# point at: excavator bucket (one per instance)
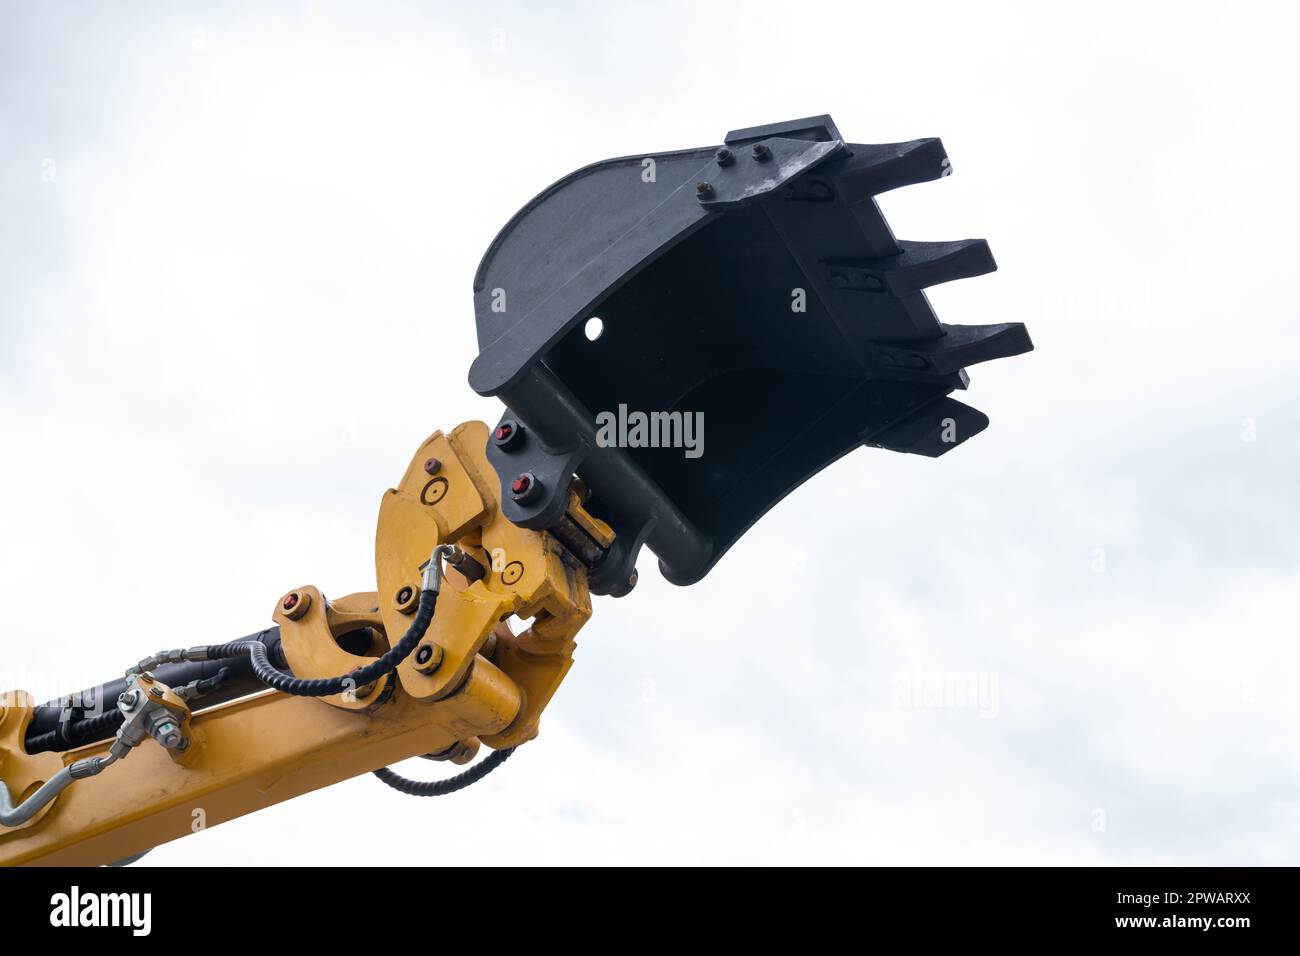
(757, 320)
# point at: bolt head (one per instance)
(405, 599)
(295, 605)
(127, 698)
(761, 153)
(156, 691)
(507, 434)
(724, 156)
(428, 657)
(525, 488)
(168, 733)
(703, 189)
(431, 466)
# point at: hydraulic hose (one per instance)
(287, 683)
(440, 788)
(61, 724)
(15, 816)
(75, 733)
(273, 677)
(71, 732)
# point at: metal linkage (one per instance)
(151, 709)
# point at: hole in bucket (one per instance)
(594, 328)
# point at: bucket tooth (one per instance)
(872, 170)
(918, 266)
(933, 430)
(958, 347)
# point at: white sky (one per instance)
(264, 221)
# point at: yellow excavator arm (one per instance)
(753, 288)
(464, 679)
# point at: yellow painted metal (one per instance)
(530, 575)
(308, 639)
(599, 531)
(162, 694)
(488, 684)
(21, 772)
(257, 752)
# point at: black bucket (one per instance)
(757, 321)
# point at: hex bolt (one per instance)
(725, 157)
(406, 600)
(703, 190)
(167, 734)
(295, 604)
(156, 691)
(165, 729)
(525, 488)
(761, 153)
(128, 698)
(507, 433)
(428, 657)
(431, 466)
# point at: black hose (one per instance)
(56, 719)
(207, 685)
(440, 788)
(287, 683)
(76, 733)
